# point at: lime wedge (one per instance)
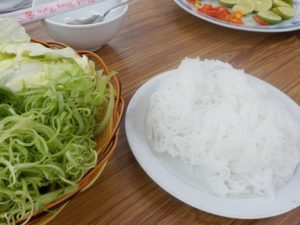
(262, 5)
(228, 3)
(269, 17)
(245, 6)
(276, 11)
(291, 2)
(285, 12)
(278, 3)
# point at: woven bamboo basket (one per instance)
(106, 144)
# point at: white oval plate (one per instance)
(250, 25)
(176, 180)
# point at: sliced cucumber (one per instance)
(269, 17)
(228, 3)
(285, 12)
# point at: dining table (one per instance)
(156, 36)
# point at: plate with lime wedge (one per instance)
(250, 15)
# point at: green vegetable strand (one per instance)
(46, 134)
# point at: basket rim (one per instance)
(110, 144)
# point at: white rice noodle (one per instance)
(215, 118)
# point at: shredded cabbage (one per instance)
(12, 32)
(52, 102)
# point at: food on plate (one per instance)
(244, 6)
(264, 12)
(285, 12)
(262, 5)
(222, 13)
(269, 17)
(226, 127)
(278, 3)
(52, 102)
(291, 2)
(228, 3)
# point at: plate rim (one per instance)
(235, 27)
(163, 184)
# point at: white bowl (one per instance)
(85, 37)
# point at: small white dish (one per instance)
(89, 36)
(174, 178)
